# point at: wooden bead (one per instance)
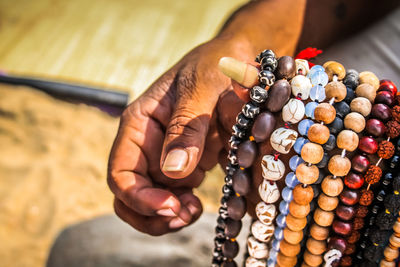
(396, 226)
(303, 195)
(319, 232)
(286, 261)
(327, 203)
(311, 259)
(335, 90)
(286, 68)
(391, 253)
(307, 174)
(325, 112)
(295, 224)
(299, 211)
(361, 105)
(312, 153)
(348, 140)
(394, 241)
(288, 249)
(305, 265)
(332, 186)
(339, 166)
(292, 237)
(385, 263)
(334, 68)
(354, 121)
(318, 133)
(366, 90)
(370, 78)
(323, 218)
(316, 247)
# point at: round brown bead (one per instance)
(339, 166)
(385, 149)
(348, 140)
(361, 105)
(299, 211)
(325, 112)
(288, 249)
(323, 218)
(337, 90)
(334, 68)
(318, 133)
(366, 198)
(292, 237)
(332, 186)
(369, 78)
(316, 247)
(303, 195)
(312, 153)
(354, 121)
(366, 90)
(327, 203)
(319, 232)
(390, 253)
(286, 261)
(373, 174)
(307, 174)
(311, 259)
(286, 68)
(295, 224)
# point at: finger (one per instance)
(193, 204)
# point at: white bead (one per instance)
(261, 231)
(252, 262)
(272, 169)
(301, 85)
(269, 191)
(331, 256)
(302, 67)
(266, 213)
(282, 139)
(293, 111)
(256, 248)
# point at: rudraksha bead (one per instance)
(373, 174)
(366, 198)
(385, 149)
(393, 129)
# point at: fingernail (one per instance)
(176, 160)
(166, 212)
(192, 208)
(243, 73)
(177, 223)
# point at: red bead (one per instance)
(354, 236)
(368, 145)
(361, 211)
(345, 212)
(353, 180)
(351, 248)
(375, 127)
(341, 228)
(388, 85)
(349, 197)
(381, 111)
(337, 243)
(385, 97)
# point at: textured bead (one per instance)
(312, 153)
(293, 111)
(292, 237)
(319, 232)
(241, 182)
(246, 153)
(266, 213)
(299, 211)
(263, 126)
(309, 109)
(381, 112)
(385, 97)
(354, 121)
(332, 186)
(261, 231)
(282, 139)
(257, 249)
(301, 86)
(339, 166)
(289, 250)
(349, 197)
(335, 90)
(342, 109)
(303, 195)
(318, 133)
(317, 93)
(348, 140)
(304, 126)
(327, 203)
(367, 91)
(370, 78)
(272, 169)
(298, 145)
(323, 218)
(236, 207)
(291, 180)
(286, 68)
(330, 144)
(325, 112)
(341, 228)
(294, 162)
(295, 224)
(395, 113)
(316, 247)
(361, 211)
(360, 163)
(318, 78)
(385, 149)
(373, 174)
(336, 126)
(253, 262)
(268, 191)
(393, 129)
(334, 68)
(345, 212)
(361, 105)
(353, 180)
(368, 145)
(302, 67)
(279, 94)
(307, 174)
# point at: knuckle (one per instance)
(185, 123)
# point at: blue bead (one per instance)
(310, 107)
(287, 194)
(304, 125)
(318, 77)
(281, 221)
(273, 254)
(294, 162)
(317, 93)
(271, 263)
(316, 68)
(284, 207)
(276, 244)
(298, 145)
(278, 233)
(291, 180)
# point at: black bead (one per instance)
(258, 94)
(250, 110)
(394, 163)
(324, 161)
(392, 203)
(336, 126)
(234, 142)
(398, 145)
(381, 196)
(379, 237)
(321, 176)
(265, 53)
(342, 109)
(396, 183)
(351, 79)
(316, 190)
(385, 220)
(242, 121)
(238, 132)
(330, 144)
(350, 95)
(373, 253)
(266, 77)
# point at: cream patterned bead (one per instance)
(252, 262)
(302, 67)
(293, 111)
(331, 256)
(282, 139)
(257, 249)
(272, 169)
(266, 213)
(261, 231)
(269, 191)
(301, 85)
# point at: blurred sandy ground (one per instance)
(54, 154)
